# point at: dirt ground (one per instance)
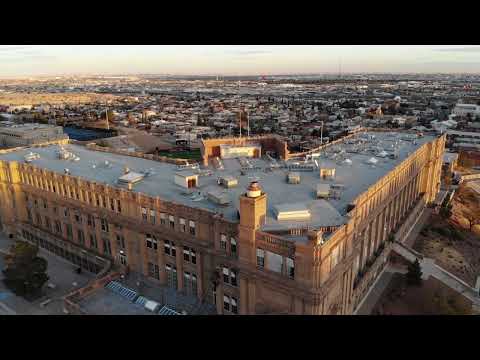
(453, 248)
(51, 98)
(431, 298)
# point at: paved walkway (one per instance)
(374, 294)
(429, 268)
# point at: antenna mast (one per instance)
(106, 117)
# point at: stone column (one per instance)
(373, 236)
(200, 289)
(179, 262)
(161, 262)
(404, 201)
(220, 300)
(143, 255)
(243, 308)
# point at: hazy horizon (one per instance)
(235, 60)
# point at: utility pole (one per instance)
(240, 123)
(106, 117)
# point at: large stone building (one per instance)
(30, 134)
(257, 235)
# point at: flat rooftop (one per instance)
(22, 128)
(354, 177)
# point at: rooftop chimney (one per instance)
(254, 190)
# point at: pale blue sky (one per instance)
(24, 60)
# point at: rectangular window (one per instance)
(186, 253)
(29, 215)
(144, 214)
(182, 225)
(120, 241)
(194, 284)
(223, 242)
(58, 227)
(171, 276)
(226, 303)
(81, 237)
(45, 205)
(233, 302)
(163, 218)
(98, 200)
(66, 212)
(47, 223)
(112, 204)
(90, 221)
(170, 248)
(226, 275)
(104, 223)
(233, 246)
(167, 247)
(151, 270)
(119, 206)
(187, 284)
(78, 218)
(93, 241)
(68, 229)
(107, 250)
(151, 242)
(152, 216)
(192, 227)
(290, 268)
(171, 219)
(55, 210)
(233, 278)
(193, 255)
(261, 258)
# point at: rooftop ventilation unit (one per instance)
(130, 178)
(188, 166)
(227, 181)
(372, 161)
(297, 212)
(31, 156)
(219, 197)
(296, 166)
(293, 178)
(323, 191)
(327, 173)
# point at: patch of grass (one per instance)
(191, 155)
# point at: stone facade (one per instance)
(200, 253)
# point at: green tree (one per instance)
(446, 211)
(25, 272)
(414, 274)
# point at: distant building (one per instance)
(30, 134)
(465, 109)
